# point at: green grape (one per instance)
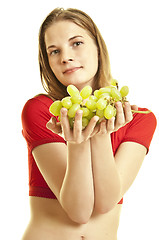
(85, 122)
(116, 95)
(109, 112)
(86, 111)
(55, 108)
(76, 98)
(105, 96)
(105, 90)
(73, 109)
(90, 104)
(66, 102)
(96, 93)
(100, 113)
(86, 92)
(114, 112)
(114, 82)
(94, 98)
(72, 90)
(124, 91)
(71, 121)
(91, 114)
(101, 104)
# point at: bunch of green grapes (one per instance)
(100, 103)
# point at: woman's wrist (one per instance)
(100, 137)
(101, 146)
(78, 146)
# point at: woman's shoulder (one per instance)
(37, 104)
(141, 128)
(40, 99)
(144, 118)
(36, 109)
(35, 115)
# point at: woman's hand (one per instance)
(75, 135)
(123, 116)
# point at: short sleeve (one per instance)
(35, 115)
(141, 129)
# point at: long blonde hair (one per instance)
(52, 86)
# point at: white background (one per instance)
(130, 30)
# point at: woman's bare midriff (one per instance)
(50, 222)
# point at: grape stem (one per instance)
(144, 112)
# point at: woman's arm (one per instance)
(113, 176)
(107, 183)
(77, 191)
(67, 169)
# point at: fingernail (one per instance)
(48, 124)
(96, 118)
(126, 103)
(120, 103)
(79, 111)
(64, 111)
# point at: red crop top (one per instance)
(36, 114)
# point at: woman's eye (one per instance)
(77, 43)
(54, 52)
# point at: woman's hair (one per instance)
(52, 86)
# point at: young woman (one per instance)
(77, 178)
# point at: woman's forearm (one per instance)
(107, 185)
(77, 192)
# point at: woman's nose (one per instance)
(66, 56)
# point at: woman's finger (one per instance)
(111, 125)
(134, 107)
(65, 125)
(54, 126)
(95, 131)
(77, 128)
(103, 128)
(88, 131)
(120, 118)
(128, 113)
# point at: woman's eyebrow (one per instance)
(75, 37)
(51, 46)
(70, 39)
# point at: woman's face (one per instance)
(72, 54)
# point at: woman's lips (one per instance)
(71, 70)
